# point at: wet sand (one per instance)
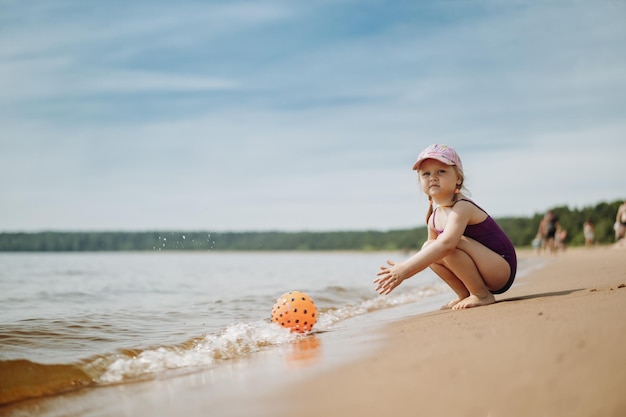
(553, 345)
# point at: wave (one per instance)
(24, 379)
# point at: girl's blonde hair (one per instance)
(457, 191)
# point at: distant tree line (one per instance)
(521, 230)
(168, 241)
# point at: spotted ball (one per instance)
(296, 311)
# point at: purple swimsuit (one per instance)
(489, 234)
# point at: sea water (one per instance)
(72, 321)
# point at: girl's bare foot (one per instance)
(451, 304)
(474, 301)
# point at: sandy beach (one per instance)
(553, 345)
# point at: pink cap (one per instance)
(442, 153)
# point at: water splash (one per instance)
(236, 341)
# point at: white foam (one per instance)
(237, 340)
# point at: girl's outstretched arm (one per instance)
(392, 274)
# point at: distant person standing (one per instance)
(620, 222)
(542, 234)
(589, 231)
(549, 228)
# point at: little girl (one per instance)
(465, 246)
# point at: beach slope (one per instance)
(553, 345)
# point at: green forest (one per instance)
(521, 230)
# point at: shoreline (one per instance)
(550, 346)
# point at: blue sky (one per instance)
(288, 115)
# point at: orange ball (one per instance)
(295, 310)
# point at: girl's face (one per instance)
(438, 180)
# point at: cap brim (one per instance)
(442, 160)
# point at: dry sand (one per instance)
(553, 345)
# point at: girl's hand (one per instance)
(388, 278)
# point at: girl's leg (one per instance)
(449, 278)
(456, 284)
(464, 267)
(477, 268)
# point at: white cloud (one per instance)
(54, 79)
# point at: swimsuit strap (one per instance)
(461, 199)
(470, 201)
